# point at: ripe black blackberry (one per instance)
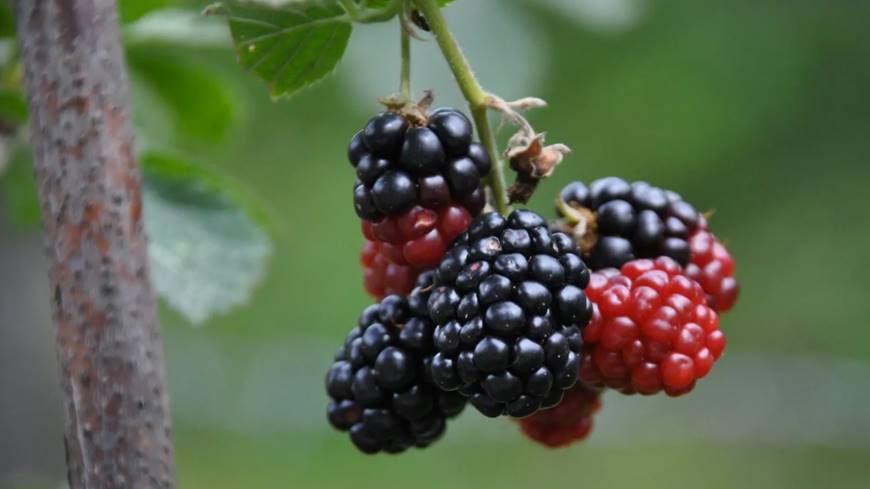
(379, 386)
(509, 308)
(432, 163)
(622, 221)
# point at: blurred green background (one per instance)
(759, 109)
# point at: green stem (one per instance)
(473, 93)
(367, 16)
(405, 80)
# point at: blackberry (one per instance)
(651, 331)
(509, 308)
(379, 385)
(615, 222)
(432, 164)
(569, 422)
(625, 221)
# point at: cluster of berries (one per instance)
(615, 222)
(502, 312)
(418, 186)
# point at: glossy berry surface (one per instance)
(631, 221)
(379, 387)
(509, 308)
(569, 422)
(383, 277)
(419, 237)
(712, 266)
(638, 220)
(399, 165)
(651, 331)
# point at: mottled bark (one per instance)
(117, 432)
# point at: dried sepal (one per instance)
(578, 222)
(416, 113)
(533, 161)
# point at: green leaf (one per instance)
(13, 107)
(18, 186)
(153, 119)
(207, 251)
(289, 46)
(201, 106)
(7, 20)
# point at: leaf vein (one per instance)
(299, 47)
(294, 28)
(325, 49)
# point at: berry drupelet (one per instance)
(379, 386)
(652, 330)
(569, 422)
(713, 267)
(419, 237)
(615, 222)
(509, 308)
(431, 164)
(381, 275)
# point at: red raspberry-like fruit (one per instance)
(382, 277)
(713, 267)
(651, 330)
(420, 237)
(570, 421)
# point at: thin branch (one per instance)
(472, 91)
(117, 431)
(405, 77)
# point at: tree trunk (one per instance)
(117, 430)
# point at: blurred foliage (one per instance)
(757, 109)
(7, 20)
(13, 107)
(206, 251)
(184, 87)
(132, 10)
(18, 190)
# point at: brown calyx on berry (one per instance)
(416, 113)
(579, 222)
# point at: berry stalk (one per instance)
(405, 75)
(474, 94)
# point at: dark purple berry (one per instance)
(609, 250)
(384, 133)
(631, 221)
(516, 289)
(462, 176)
(422, 153)
(453, 129)
(384, 394)
(356, 148)
(616, 217)
(394, 192)
(369, 168)
(364, 204)
(480, 157)
(433, 191)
